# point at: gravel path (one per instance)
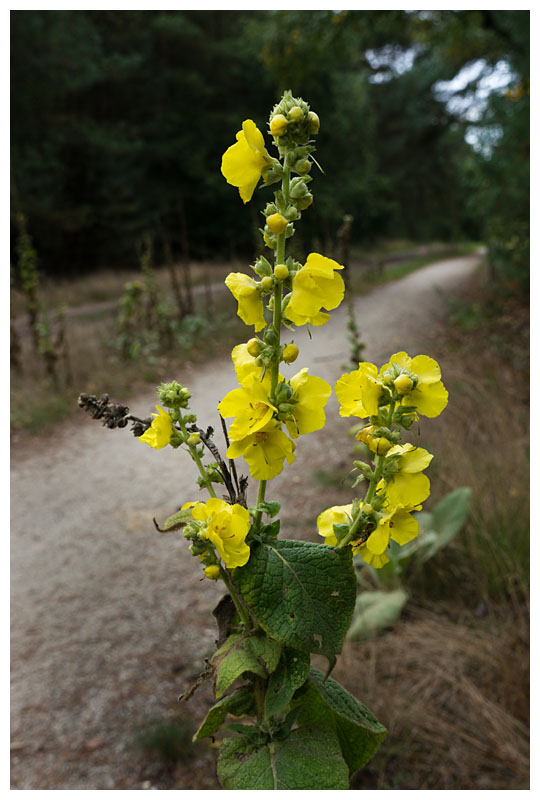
(110, 620)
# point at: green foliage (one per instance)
(327, 702)
(116, 117)
(309, 758)
(302, 594)
(239, 703)
(290, 674)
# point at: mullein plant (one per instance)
(296, 727)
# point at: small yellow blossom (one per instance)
(336, 515)
(226, 528)
(429, 395)
(248, 294)
(264, 451)
(244, 162)
(160, 432)
(315, 286)
(409, 486)
(311, 395)
(250, 406)
(359, 391)
(398, 524)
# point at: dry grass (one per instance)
(453, 697)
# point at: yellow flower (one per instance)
(315, 286)
(264, 451)
(160, 432)
(336, 515)
(409, 486)
(376, 561)
(429, 395)
(359, 391)
(226, 528)
(311, 394)
(248, 294)
(398, 524)
(250, 406)
(243, 163)
(277, 223)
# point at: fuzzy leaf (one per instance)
(310, 758)
(376, 610)
(239, 703)
(301, 593)
(241, 653)
(358, 731)
(231, 661)
(290, 674)
(447, 519)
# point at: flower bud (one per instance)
(403, 384)
(285, 408)
(295, 114)
(290, 353)
(298, 189)
(194, 439)
(304, 202)
(367, 508)
(267, 283)
(212, 572)
(278, 125)
(254, 347)
(281, 272)
(379, 446)
(313, 122)
(362, 435)
(271, 337)
(303, 166)
(277, 223)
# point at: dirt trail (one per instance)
(110, 620)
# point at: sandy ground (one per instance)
(110, 620)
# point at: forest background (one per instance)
(119, 120)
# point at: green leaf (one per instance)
(239, 703)
(447, 519)
(291, 673)
(301, 593)
(233, 659)
(376, 610)
(359, 732)
(242, 653)
(310, 758)
(177, 521)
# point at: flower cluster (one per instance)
(392, 398)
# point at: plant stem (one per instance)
(235, 598)
(196, 458)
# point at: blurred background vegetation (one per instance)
(119, 120)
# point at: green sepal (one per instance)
(340, 530)
(359, 733)
(291, 673)
(239, 703)
(177, 521)
(302, 594)
(310, 758)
